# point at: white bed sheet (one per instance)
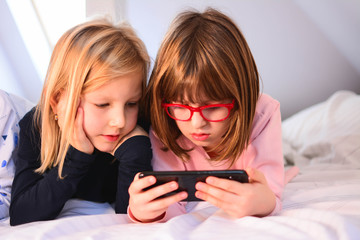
(322, 202)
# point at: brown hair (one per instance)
(113, 50)
(204, 53)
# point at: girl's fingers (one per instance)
(230, 205)
(232, 186)
(79, 119)
(139, 184)
(225, 198)
(76, 137)
(146, 204)
(164, 203)
(211, 199)
(79, 139)
(148, 211)
(158, 191)
(218, 185)
(220, 192)
(216, 192)
(152, 194)
(239, 199)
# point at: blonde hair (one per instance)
(204, 55)
(112, 50)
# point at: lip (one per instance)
(111, 138)
(200, 136)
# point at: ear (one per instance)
(54, 100)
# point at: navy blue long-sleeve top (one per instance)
(99, 177)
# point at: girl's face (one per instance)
(110, 112)
(200, 131)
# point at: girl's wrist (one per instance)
(158, 218)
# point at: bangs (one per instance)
(196, 81)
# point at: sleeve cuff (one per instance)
(141, 142)
(155, 220)
(277, 208)
(73, 153)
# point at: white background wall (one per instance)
(305, 49)
(18, 74)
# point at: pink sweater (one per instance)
(264, 153)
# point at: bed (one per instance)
(321, 202)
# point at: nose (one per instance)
(197, 121)
(117, 118)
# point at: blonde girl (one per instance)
(82, 140)
(207, 113)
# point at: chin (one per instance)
(103, 148)
(201, 144)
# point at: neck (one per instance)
(212, 154)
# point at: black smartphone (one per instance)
(188, 179)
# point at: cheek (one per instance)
(182, 126)
(91, 121)
(131, 118)
(223, 128)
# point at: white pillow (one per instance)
(12, 109)
(326, 132)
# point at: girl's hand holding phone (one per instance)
(239, 199)
(145, 205)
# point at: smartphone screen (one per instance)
(188, 179)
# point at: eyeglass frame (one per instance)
(229, 106)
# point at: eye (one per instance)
(102, 105)
(132, 104)
(212, 108)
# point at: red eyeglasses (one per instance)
(211, 113)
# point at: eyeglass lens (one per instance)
(210, 113)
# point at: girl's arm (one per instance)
(144, 205)
(264, 162)
(135, 151)
(37, 196)
(134, 155)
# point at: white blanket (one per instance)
(326, 132)
(322, 202)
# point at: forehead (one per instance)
(126, 86)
